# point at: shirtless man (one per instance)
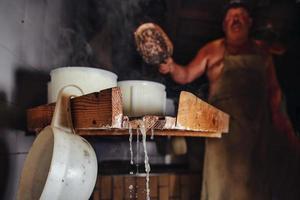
(242, 82)
(210, 58)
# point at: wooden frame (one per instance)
(101, 114)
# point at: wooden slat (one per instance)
(163, 184)
(174, 186)
(98, 183)
(185, 187)
(195, 186)
(118, 188)
(153, 187)
(106, 188)
(129, 187)
(96, 195)
(124, 132)
(39, 117)
(141, 188)
(151, 122)
(162, 187)
(195, 114)
(98, 109)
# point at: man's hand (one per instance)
(167, 66)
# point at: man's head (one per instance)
(237, 21)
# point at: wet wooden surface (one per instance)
(101, 114)
(162, 187)
(195, 114)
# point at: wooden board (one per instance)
(195, 114)
(99, 109)
(94, 110)
(150, 122)
(164, 186)
(101, 114)
(165, 132)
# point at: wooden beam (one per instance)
(39, 117)
(164, 132)
(195, 114)
(98, 109)
(151, 122)
(100, 114)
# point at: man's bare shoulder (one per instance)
(213, 48)
(209, 54)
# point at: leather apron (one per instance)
(234, 166)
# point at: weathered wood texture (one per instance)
(162, 187)
(101, 114)
(195, 114)
(99, 109)
(165, 132)
(94, 110)
(150, 122)
(39, 117)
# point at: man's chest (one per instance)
(215, 67)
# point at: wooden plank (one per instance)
(150, 122)
(163, 192)
(141, 188)
(96, 195)
(185, 184)
(195, 185)
(100, 114)
(153, 184)
(195, 114)
(118, 187)
(98, 183)
(39, 117)
(124, 132)
(163, 183)
(174, 186)
(130, 187)
(106, 187)
(162, 186)
(164, 127)
(98, 109)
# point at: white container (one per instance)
(87, 78)
(60, 164)
(143, 98)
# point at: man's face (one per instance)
(237, 23)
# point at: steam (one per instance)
(122, 18)
(99, 33)
(75, 50)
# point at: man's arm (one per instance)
(186, 74)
